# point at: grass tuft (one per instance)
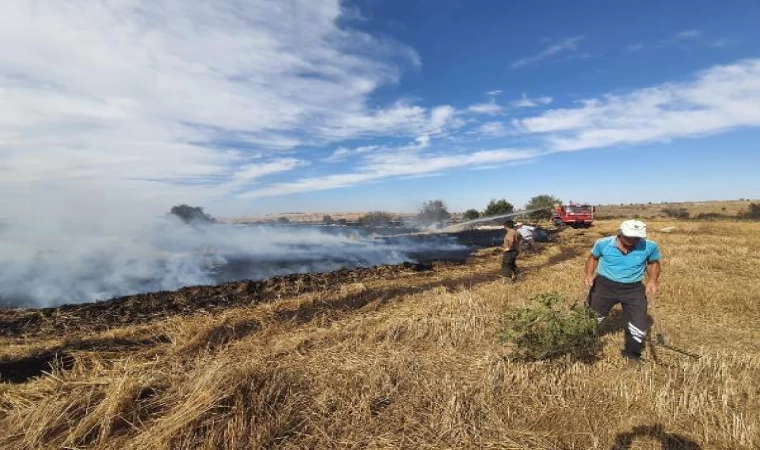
(547, 329)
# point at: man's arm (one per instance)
(653, 284)
(591, 263)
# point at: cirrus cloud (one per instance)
(718, 99)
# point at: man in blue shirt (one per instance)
(620, 263)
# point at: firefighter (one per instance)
(620, 263)
(511, 251)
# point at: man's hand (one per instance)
(591, 263)
(653, 283)
(652, 287)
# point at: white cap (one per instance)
(633, 228)
(519, 224)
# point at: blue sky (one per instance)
(253, 107)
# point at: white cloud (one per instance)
(527, 102)
(688, 34)
(634, 47)
(422, 141)
(491, 129)
(343, 153)
(339, 155)
(367, 151)
(112, 92)
(485, 108)
(551, 52)
(720, 43)
(249, 173)
(149, 103)
(395, 164)
(399, 119)
(721, 98)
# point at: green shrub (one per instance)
(544, 204)
(498, 207)
(547, 329)
(471, 214)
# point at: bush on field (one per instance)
(376, 219)
(547, 329)
(752, 212)
(433, 212)
(676, 213)
(471, 214)
(190, 214)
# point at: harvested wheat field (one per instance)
(397, 358)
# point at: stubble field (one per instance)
(395, 358)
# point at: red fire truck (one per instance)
(574, 215)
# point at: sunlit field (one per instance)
(397, 358)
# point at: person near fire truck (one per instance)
(511, 251)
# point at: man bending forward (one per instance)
(620, 263)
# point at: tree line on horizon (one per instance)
(435, 213)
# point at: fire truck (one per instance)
(575, 215)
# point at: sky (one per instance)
(250, 107)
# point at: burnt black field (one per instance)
(169, 257)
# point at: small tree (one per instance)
(498, 207)
(752, 212)
(188, 214)
(327, 219)
(433, 212)
(547, 329)
(376, 219)
(471, 214)
(544, 204)
(283, 220)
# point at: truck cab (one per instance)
(576, 215)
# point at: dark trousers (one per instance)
(605, 294)
(509, 264)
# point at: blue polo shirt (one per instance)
(617, 266)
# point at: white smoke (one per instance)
(44, 264)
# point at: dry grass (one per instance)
(652, 210)
(415, 362)
(314, 217)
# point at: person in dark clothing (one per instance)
(620, 263)
(511, 251)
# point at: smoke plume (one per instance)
(45, 264)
